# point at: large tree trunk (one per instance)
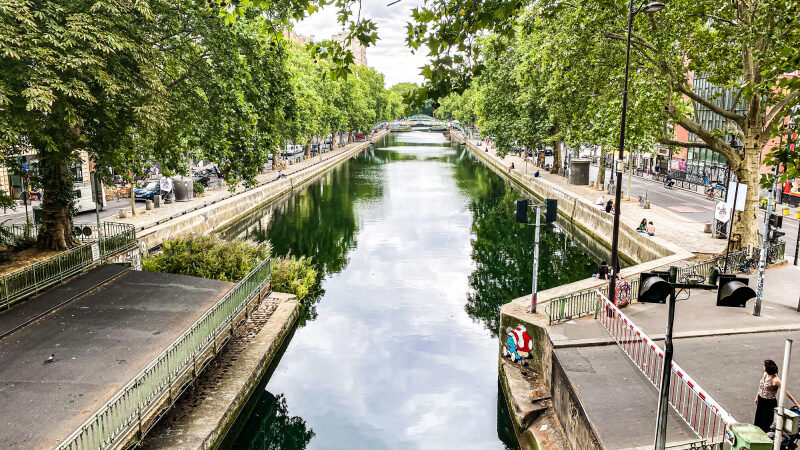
(307, 149)
(57, 182)
(746, 225)
(557, 150)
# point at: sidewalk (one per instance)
(681, 231)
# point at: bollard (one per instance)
(123, 213)
(148, 205)
(647, 204)
(707, 228)
(157, 201)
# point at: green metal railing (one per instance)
(30, 280)
(123, 413)
(584, 302)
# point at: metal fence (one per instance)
(30, 280)
(123, 413)
(695, 406)
(584, 303)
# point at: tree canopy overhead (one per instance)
(573, 53)
(155, 81)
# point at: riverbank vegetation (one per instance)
(701, 74)
(207, 256)
(210, 256)
(155, 81)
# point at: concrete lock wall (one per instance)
(579, 432)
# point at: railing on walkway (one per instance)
(696, 445)
(30, 280)
(120, 415)
(695, 406)
(584, 303)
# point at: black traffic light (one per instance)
(776, 221)
(777, 234)
(522, 210)
(551, 213)
(733, 291)
(653, 287)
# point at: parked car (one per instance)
(361, 137)
(147, 190)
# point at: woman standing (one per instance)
(765, 400)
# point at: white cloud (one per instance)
(390, 56)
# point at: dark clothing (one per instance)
(765, 412)
(602, 272)
(609, 206)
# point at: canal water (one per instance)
(397, 349)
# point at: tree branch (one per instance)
(738, 118)
(773, 113)
(684, 144)
(711, 142)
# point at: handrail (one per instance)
(704, 415)
(32, 279)
(125, 410)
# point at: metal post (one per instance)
(618, 195)
(26, 196)
(762, 260)
(666, 375)
(730, 233)
(797, 245)
(630, 173)
(97, 193)
(787, 354)
(534, 283)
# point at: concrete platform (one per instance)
(618, 399)
(32, 308)
(100, 341)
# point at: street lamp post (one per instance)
(648, 8)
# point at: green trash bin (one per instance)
(746, 436)
(37, 215)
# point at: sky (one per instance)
(390, 56)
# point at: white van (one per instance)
(84, 197)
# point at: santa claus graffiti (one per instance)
(518, 344)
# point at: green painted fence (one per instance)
(32, 279)
(122, 414)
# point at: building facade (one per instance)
(358, 50)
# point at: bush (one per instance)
(11, 243)
(207, 256)
(198, 188)
(293, 275)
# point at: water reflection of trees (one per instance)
(502, 250)
(270, 427)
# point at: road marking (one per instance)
(685, 209)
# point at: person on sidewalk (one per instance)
(511, 168)
(642, 226)
(609, 206)
(766, 400)
(602, 270)
(651, 229)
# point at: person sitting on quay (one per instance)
(511, 168)
(609, 206)
(642, 226)
(600, 201)
(602, 271)
(536, 174)
(651, 229)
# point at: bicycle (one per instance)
(748, 265)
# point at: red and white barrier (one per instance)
(697, 408)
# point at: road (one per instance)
(88, 217)
(691, 205)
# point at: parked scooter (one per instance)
(788, 441)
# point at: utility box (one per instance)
(790, 420)
(740, 436)
(579, 171)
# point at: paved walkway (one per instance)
(100, 342)
(721, 348)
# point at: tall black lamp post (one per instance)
(648, 8)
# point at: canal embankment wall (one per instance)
(231, 209)
(204, 424)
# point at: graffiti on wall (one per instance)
(518, 344)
